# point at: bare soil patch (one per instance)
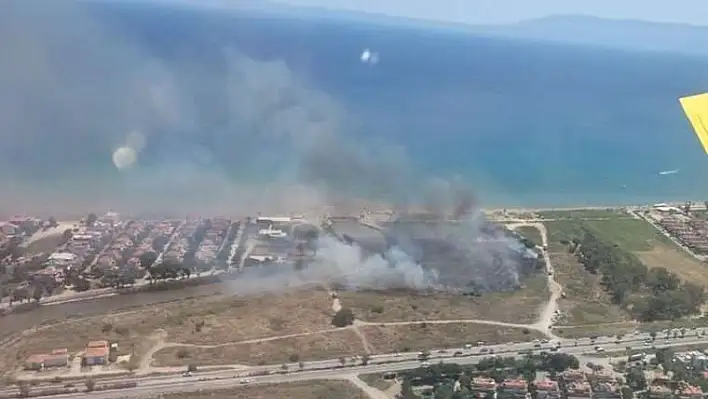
(321, 346)
(211, 320)
(414, 337)
(586, 301)
(686, 267)
(377, 381)
(521, 306)
(319, 389)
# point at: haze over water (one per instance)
(227, 103)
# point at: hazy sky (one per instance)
(500, 11)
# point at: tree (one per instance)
(67, 234)
(652, 334)
(147, 259)
(191, 368)
(284, 367)
(407, 390)
(636, 379)
(664, 356)
(159, 243)
(365, 358)
(301, 365)
(342, 360)
(81, 284)
(91, 219)
(37, 294)
(344, 317)
(294, 358)
(90, 385)
(444, 390)
(24, 389)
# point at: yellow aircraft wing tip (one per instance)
(696, 109)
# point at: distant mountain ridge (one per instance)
(572, 29)
(629, 34)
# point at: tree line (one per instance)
(648, 294)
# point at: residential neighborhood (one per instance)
(108, 251)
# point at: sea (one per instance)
(267, 98)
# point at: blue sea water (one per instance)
(524, 123)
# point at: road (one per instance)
(333, 369)
(170, 240)
(548, 312)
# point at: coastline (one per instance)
(377, 207)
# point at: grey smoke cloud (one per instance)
(73, 88)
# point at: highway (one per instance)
(333, 369)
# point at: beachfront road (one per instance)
(333, 369)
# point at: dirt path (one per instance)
(158, 339)
(372, 392)
(362, 336)
(549, 309)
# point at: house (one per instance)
(96, 353)
(660, 392)
(514, 388)
(573, 375)
(686, 391)
(604, 376)
(49, 275)
(547, 389)
(606, 390)
(8, 229)
(273, 219)
(578, 389)
(61, 259)
(484, 385)
(34, 362)
(57, 358)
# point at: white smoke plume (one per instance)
(75, 83)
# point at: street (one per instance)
(391, 362)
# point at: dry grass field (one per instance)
(414, 337)
(322, 389)
(521, 306)
(676, 261)
(211, 320)
(322, 346)
(586, 302)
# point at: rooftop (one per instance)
(691, 390)
(90, 352)
(97, 344)
(547, 385)
(515, 384)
